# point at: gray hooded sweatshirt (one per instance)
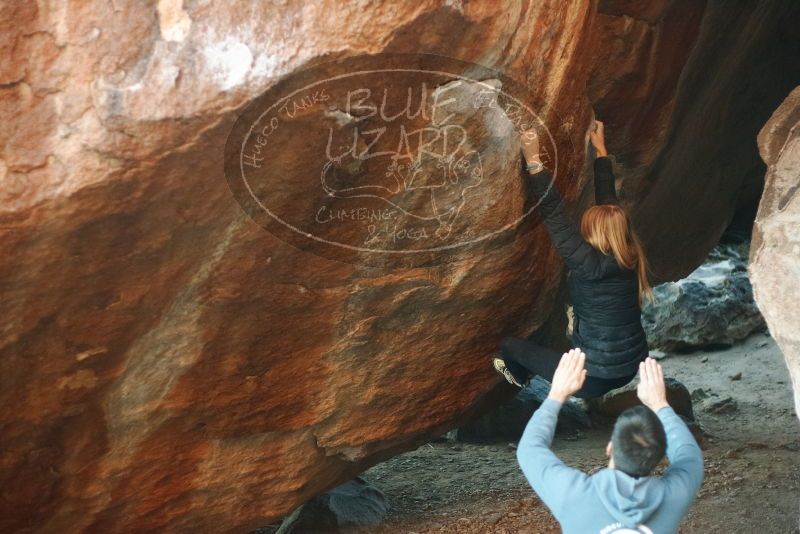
(611, 501)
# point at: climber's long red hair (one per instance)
(608, 229)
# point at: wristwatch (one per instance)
(534, 167)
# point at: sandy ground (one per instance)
(752, 463)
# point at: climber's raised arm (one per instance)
(604, 192)
(577, 253)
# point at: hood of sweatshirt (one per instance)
(629, 500)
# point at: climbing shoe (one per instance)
(500, 367)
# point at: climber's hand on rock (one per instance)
(598, 138)
(569, 375)
(651, 389)
(529, 139)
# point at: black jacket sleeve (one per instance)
(604, 191)
(579, 255)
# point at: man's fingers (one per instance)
(652, 373)
(643, 372)
(571, 367)
(569, 362)
(563, 363)
(659, 372)
(655, 371)
(572, 361)
(577, 360)
(575, 356)
(654, 367)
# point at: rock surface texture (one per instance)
(712, 306)
(167, 365)
(775, 250)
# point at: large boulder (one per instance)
(167, 365)
(775, 250)
(712, 306)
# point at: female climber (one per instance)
(607, 279)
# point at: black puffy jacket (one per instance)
(605, 297)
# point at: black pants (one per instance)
(525, 358)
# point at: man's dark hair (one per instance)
(639, 441)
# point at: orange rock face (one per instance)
(775, 249)
(166, 363)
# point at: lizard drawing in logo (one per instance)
(430, 186)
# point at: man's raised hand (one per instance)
(651, 389)
(569, 375)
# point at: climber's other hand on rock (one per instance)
(569, 375)
(529, 139)
(598, 138)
